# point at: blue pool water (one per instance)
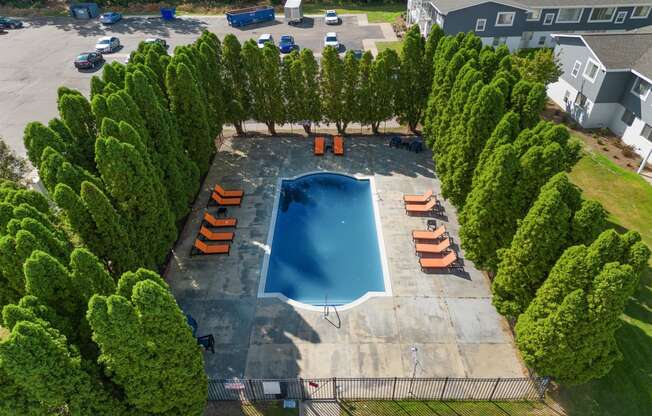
(325, 242)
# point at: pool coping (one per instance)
(381, 248)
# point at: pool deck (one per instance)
(448, 317)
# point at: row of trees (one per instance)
(92, 330)
(257, 84)
(78, 335)
(557, 271)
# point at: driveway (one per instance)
(38, 59)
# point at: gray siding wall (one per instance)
(613, 85)
(642, 109)
(464, 20)
(584, 25)
(570, 50)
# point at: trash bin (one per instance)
(167, 13)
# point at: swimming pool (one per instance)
(325, 242)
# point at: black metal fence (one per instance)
(393, 388)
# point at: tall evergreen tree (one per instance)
(149, 323)
(488, 217)
(485, 115)
(76, 113)
(430, 50)
(568, 330)
(235, 92)
(351, 86)
(384, 81)
(331, 80)
(190, 114)
(413, 85)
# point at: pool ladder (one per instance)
(326, 312)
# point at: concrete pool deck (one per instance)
(448, 317)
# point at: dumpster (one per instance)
(84, 10)
(167, 13)
(293, 11)
(250, 15)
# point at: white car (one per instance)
(265, 38)
(331, 40)
(331, 18)
(107, 44)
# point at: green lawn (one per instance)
(627, 390)
(397, 45)
(264, 408)
(376, 13)
(423, 408)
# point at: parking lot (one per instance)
(37, 59)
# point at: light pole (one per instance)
(415, 362)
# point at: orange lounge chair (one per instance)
(418, 199)
(217, 199)
(338, 146)
(219, 222)
(449, 261)
(202, 248)
(437, 234)
(319, 146)
(438, 248)
(209, 235)
(236, 193)
(421, 208)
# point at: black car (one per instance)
(88, 60)
(9, 23)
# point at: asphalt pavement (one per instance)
(38, 59)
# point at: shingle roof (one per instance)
(630, 50)
(447, 6)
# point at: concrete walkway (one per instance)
(448, 318)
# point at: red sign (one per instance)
(234, 386)
(313, 384)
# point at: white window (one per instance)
(581, 101)
(569, 15)
(576, 69)
(567, 96)
(533, 15)
(542, 40)
(628, 117)
(591, 70)
(480, 24)
(602, 14)
(641, 88)
(647, 132)
(505, 19)
(620, 17)
(549, 18)
(641, 12)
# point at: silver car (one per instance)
(107, 44)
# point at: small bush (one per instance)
(628, 151)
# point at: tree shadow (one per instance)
(147, 25)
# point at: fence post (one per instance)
(443, 389)
(335, 388)
(303, 396)
(543, 387)
(394, 389)
(494, 389)
(251, 388)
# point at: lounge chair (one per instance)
(218, 200)
(211, 221)
(236, 193)
(211, 236)
(437, 248)
(319, 146)
(421, 208)
(338, 146)
(437, 234)
(449, 261)
(202, 248)
(418, 199)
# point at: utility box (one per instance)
(84, 10)
(293, 12)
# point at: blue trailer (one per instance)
(250, 15)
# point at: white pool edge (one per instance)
(381, 248)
